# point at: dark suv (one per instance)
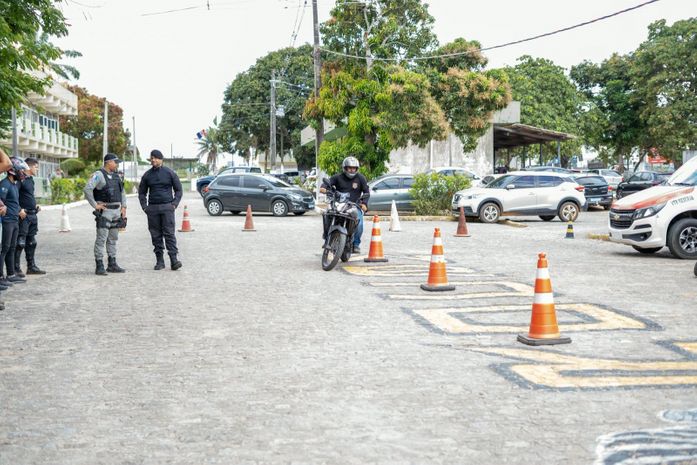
(206, 180)
(597, 192)
(265, 193)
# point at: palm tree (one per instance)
(209, 146)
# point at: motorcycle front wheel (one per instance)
(332, 254)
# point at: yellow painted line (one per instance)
(400, 270)
(516, 290)
(454, 283)
(606, 320)
(599, 237)
(557, 371)
(688, 346)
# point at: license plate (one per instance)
(594, 200)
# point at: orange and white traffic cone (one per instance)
(437, 275)
(375, 254)
(543, 323)
(248, 222)
(186, 224)
(462, 230)
(65, 221)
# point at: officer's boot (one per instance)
(18, 268)
(114, 267)
(176, 264)
(100, 268)
(160, 264)
(31, 264)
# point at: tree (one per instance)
(245, 125)
(26, 28)
(88, 126)
(209, 146)
(549, 100)
(665, 80)
(386, 100)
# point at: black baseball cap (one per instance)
(156, 154)
(111, 156)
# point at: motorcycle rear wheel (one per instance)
(332, 254)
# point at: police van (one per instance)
(661, 216)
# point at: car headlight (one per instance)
(473, 196)
(296, 197)
(648, 211)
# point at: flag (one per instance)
(201, 134)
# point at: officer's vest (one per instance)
(111, 193)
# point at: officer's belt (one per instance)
(113, 206)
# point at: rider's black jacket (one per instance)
(355, 187)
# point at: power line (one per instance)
(507, 44)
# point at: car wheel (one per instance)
(568, 211)
(235, 212)
(489, 213)
(606, 207)
(682, 238)
(647, 251)
(299, 213)
(214, 207)
(279, 208)
(546, 217)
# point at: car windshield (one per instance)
(500, 182)
(686, 175)
(275, 182)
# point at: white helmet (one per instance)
(350, 162)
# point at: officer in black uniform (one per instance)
(29, 225)
(9, 194)
(160, 192)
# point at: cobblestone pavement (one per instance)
(251, 354)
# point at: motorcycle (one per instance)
(340, 222)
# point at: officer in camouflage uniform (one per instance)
(105, 192)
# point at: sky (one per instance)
(170, 70)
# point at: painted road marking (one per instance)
(462, 320)
(400, 270)
(513, 290)
(415, 284)
(554, 370)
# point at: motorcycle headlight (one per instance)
(648, 211)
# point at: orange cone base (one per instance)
(375, 260)
(186, 230)
(445, 287)
(533, 341)
(462, 235)
(249, 230)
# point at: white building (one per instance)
(38, 128)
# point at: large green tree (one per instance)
(549, 100)
(26, 30)
(245, 124)
(388, 97)
(88, 126)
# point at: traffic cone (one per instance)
(569, 230)
(462, 225)
(437, 275)
(375, 254)
(65, 222)
(186, 224)
(248, 223)
(394, 219)
(543, 323)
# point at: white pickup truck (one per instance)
(660, 216)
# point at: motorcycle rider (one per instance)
(355, 184)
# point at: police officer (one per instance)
(105, 192)
(9, 194)
(160, 192)
(29, 225)
(353, 182)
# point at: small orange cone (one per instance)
(65, 221)
(248, 223)
(375, 254)
(462, 225)
(543, 323)
(437, 275)
(186, 224)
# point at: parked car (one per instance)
(551, 169)
(451, 171)
(486, 180)
(265, 193)
(612, 177)
(543, 194)
(597, 192)
(201, 183)
(385, 189)
(639, 181)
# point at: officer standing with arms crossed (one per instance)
(105, 192)
(160, 192)
(29, 225)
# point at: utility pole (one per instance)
(319, 133)
(135, 149)
(272, 132)
(105, 141)
(15, 147)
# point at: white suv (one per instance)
(540, 193)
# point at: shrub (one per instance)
(433, 192)
(67, 190)
(72, 166)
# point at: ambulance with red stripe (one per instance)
(661, 216)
